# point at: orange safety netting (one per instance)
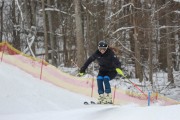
(87, 86)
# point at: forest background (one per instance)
(145, 33)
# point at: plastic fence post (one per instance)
(149, 98)
(156, 95)
(114, 96)
(92, 86)
(3, 47)
(2, 56)
(41, 70)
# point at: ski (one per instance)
(89, 103)
(94, 103)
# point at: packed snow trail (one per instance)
(22, 93)
(23, 97)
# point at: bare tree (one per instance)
(90, 24)
(146, 32)
(138, 61)
(1, 23)
(16, 29)
(79, 33)
(51, 34)
(45, 30)
(169, 46)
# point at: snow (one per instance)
(177, 0)
(122, 28)
(129, 4)
(24, 97)
(177, 11)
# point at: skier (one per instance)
(109, 67)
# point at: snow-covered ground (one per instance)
(177, 0)
(160, 82)
(23, 97)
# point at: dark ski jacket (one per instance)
(107, 61)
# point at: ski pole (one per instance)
(121, 73)
(137, 87)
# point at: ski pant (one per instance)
(103, 79)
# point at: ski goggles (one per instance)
(102, 48)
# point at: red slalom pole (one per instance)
(121, 73)
(114, 95)
(92, 86)
(3, 47)
(138, 88)
(41, 69)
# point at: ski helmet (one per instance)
(102, 44)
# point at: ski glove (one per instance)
(80, 74)
(120, 72)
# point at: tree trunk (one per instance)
(33, 21)
(45, 31)
(91, 30)
(177, 49)
(29, 11)
(100, 20)
(169, 50)
(151, 37)
(1, 15)
(52, 37)
(79, 33)
(138, 66)
(16, 33)
(150, 58)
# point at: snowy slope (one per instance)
(21, 93)
(23, 97)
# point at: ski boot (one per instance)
(100, 99)
(108, 99)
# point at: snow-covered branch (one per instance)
(52, 9)
(177, 0)
(177, 11)
(122, 28)
(29, 43)
(85, 8)
(163, 27)
(170, 33)
(55, 9)
(30, 40)
(162, 7)
(117, 40)
(129, 4)
(17, 2)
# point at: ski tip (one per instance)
(86, 103)
(92, 102)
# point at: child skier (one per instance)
(109, 67)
